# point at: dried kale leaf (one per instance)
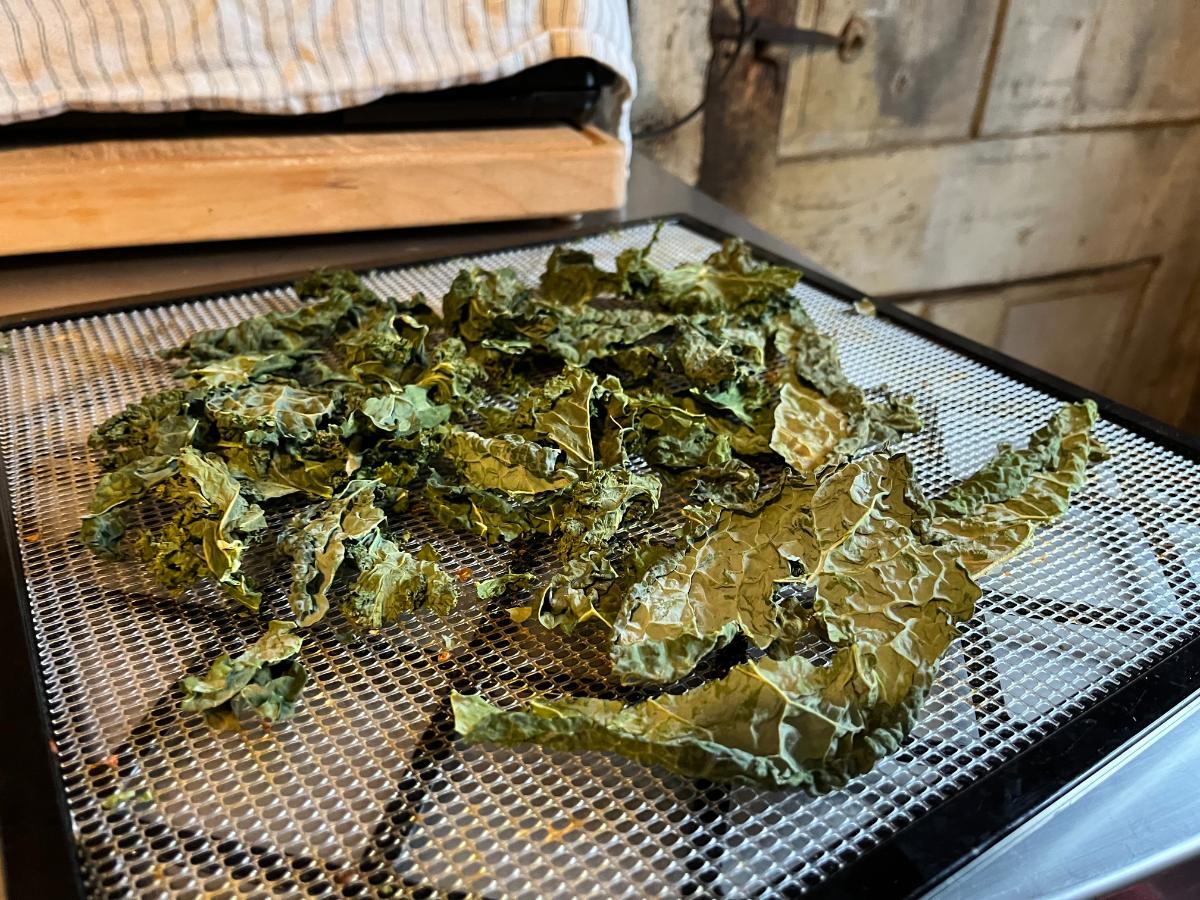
(1011, 471)
(390, 583)
(888, 602)
(265, 681)
(594, 333)
(732, 484)
(573, 279)
(507, 486)
(269, 413)
(500, 585)
(729, 280)
(232, 371)
(673, 436)
(387, 347)
(821, 418)
(452, 378)
(506, 464)
(597, 510)
(559, 412)
(810, 432)
(725, 365)
(495, 313)
(992, 515)
(318, 538)
(207, 535)
(590, 586)
(104, 521)
(890, 592)
(354, 407)
(157, 420)
(393, 583)
(764, 722)
(483, 305)
(722, 582)
(399, 413)
(274, 332)
(489, 514)
(269, 473)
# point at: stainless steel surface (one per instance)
(1134, 817)
(367, 786)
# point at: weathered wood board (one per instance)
(117, 193)
(997, 210)
(1029, 138)
(1070, 325)
(671, 48)
(1087, 63)
(932, 218)
(917, 79)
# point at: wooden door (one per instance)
(1028, 172)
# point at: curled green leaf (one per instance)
(393, 583)
(500, 585)
(891, 586)
(318, 538)
(265, 681)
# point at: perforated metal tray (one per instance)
(367, 791)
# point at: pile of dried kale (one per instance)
(354, 408)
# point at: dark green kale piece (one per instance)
(264, 681)
(566, 412)
(892, 583)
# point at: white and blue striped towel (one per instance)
(286, 56)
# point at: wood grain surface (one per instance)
(917, 79)
(937, 217)
(136, 192)
(1095, 63)
(1071, 325)
(671, 48)
(933, 218)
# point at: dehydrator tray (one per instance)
(1077, 646)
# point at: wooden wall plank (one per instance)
(1087, 63)
(671, 48)
(1157, 364)
(917, 79)
(1015, 208)
(986, 211)
(1001, 208)
(975, 316)
(1070, 325)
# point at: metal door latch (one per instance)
(775, 43)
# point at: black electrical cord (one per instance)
(742, 35)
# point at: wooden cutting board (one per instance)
(135, 192)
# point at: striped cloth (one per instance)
(286, 56)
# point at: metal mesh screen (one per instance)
(367, 792)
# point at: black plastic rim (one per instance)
(39, 845)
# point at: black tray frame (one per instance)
(38, 841)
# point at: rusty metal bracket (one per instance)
(775, 43)
(759, 30)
